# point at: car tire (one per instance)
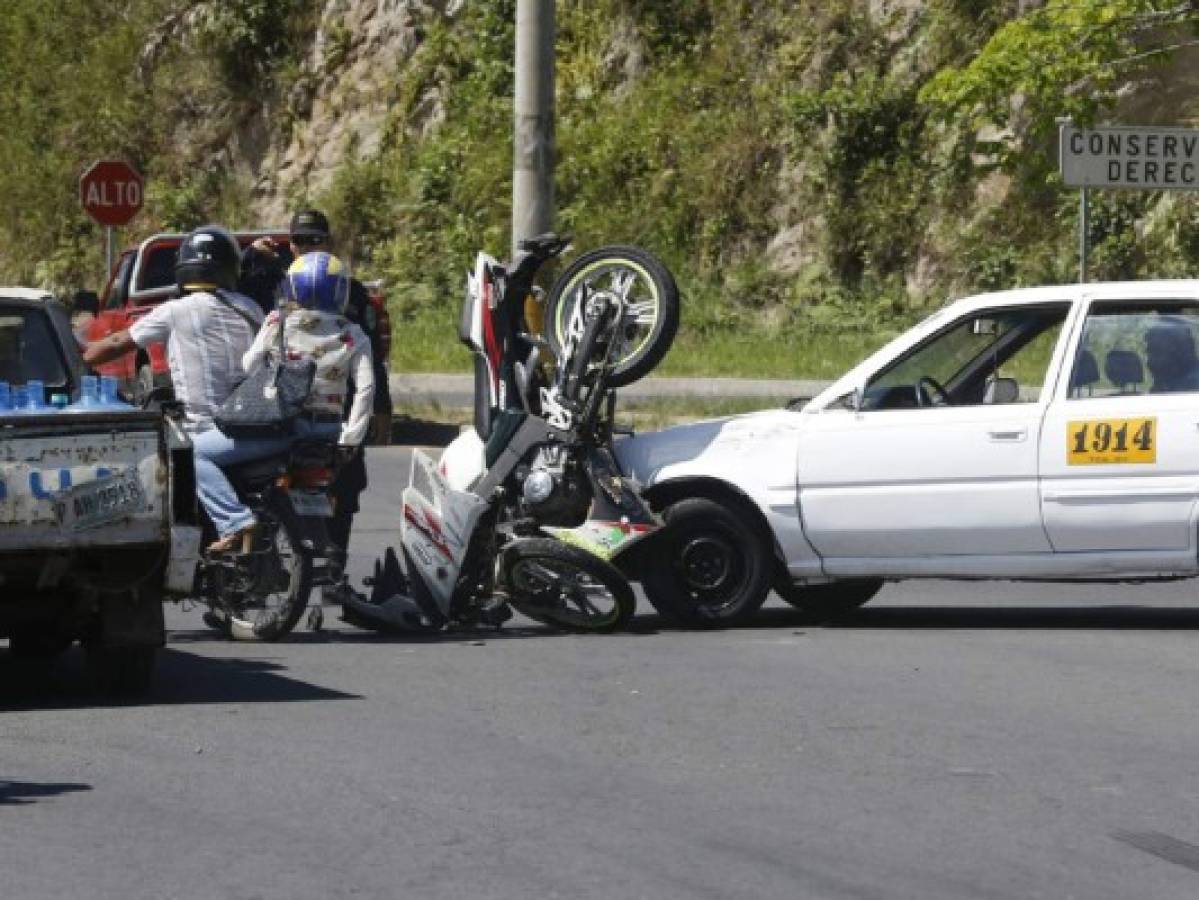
(832, 601)
(712, 566)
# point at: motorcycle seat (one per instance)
(257, 473)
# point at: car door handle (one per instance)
(1010, 436)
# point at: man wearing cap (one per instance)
(263, 266)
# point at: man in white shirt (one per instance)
(207, 330)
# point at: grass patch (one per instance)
(427, 342)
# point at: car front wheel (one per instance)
(712, 567)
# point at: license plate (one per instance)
(100, 502)
(311, 504)
(1107, 442)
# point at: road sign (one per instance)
(111, 192)
(1148, 159)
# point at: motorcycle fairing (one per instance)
(618, 519)
(436, 529)
(604, 539)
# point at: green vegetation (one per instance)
(817, 176)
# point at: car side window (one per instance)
(989, 357)
(1137, 348)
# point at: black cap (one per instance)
(310, 222)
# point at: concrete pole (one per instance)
(1084, 230)
(533, 157)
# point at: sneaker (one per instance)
(341, 593)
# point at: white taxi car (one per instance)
(1045, 433)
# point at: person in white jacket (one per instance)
(312, 302)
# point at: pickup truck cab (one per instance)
(143, 277)
(1047, 433)
(91, 503)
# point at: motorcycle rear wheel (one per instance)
(272, 615)
(563, 586)
(647, 292)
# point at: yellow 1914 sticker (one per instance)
(1106, 442)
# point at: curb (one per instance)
(456, 391)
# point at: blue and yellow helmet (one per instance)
(317, 281)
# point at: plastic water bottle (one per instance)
(89, 391)
(5, 397)
(20, 398)
(109, 398)
(36, 389)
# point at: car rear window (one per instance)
(28, 348)
(158, 268)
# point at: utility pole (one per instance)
(533, 157)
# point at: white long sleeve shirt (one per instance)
(341, 351)
(206, 340)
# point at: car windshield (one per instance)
(28, 349)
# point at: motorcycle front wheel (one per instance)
(563, 586)
(644, 291)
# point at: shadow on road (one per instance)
(1095, 618)
(22, 793)
(181, 678)
(520, 631)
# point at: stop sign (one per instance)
(111, 191)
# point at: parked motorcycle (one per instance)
(261, 594)
(545, 519)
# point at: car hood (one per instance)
(711, 447)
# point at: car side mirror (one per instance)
(1004, 390)
(851, 401)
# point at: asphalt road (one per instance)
(954, 741)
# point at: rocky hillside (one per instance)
(812, 166)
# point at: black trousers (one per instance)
(350, 483)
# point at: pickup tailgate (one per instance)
(80, 480)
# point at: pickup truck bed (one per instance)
(85, 509)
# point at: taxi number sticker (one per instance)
(1106, 442)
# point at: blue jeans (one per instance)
(214, 449)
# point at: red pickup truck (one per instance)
(143, 277)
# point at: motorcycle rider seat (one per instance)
(255, 474)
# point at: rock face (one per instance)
(338, 107)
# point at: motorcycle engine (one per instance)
(554, 489)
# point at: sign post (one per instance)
(111, 191)
(1130, 157)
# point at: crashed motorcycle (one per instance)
(261, 592)
(537, 514)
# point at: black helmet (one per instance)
(208, 257)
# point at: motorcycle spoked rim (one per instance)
(569, 299)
